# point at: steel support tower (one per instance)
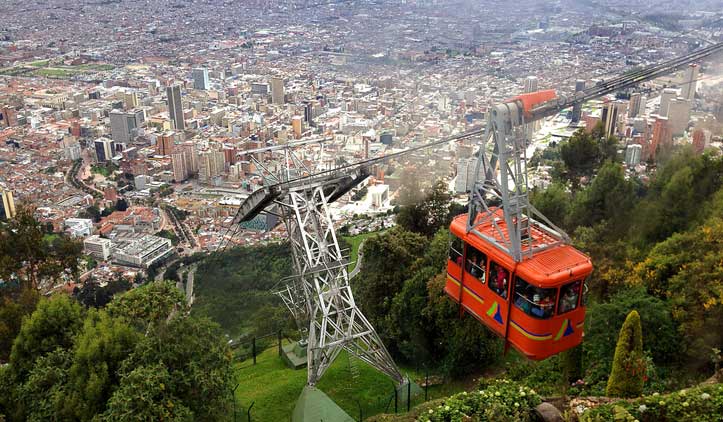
(319, 295)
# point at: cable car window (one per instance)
(455, 250)
(534, 301)
(569, 297)
(499, 279)
(476, 263)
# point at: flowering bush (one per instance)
(498, 400)
(702, 404)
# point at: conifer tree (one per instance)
(628, 374)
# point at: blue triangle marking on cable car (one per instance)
(498, 315)
(568, 330)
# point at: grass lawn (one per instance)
(355, 241)
(39, 63)
(273, 388)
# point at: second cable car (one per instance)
(536, 305)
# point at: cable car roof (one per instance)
(552, 264)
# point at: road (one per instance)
(359, 256)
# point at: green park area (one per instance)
(47, 69)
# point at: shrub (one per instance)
(498, 400)
(700, 404)
(629, 366)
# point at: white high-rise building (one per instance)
(465, 175)
(277, 91)
(690, 82)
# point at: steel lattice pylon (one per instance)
(319, 295)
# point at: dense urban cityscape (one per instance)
(138, 128)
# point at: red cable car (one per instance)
(536, 304)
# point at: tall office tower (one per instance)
(297, 125)
(665, 97)
(678, 115)
(124, 125)
(308, 113)
(662, 138)
(277, 91)
(610, 116)
(8, 116)
(699, 142)
(164, 144)
(577, 109)
(7, 205)
(531, 86)
(633, 153)
(175, 106)
(690, 82)
(191, 157)
(180, 171)
(634, 110)
(210, 165)
(465, 174)
(104, 149)
(130, 99)
(200, 79)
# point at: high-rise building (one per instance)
(665, 97)
(200, 79)
(611, 113)
(180, 171)
(633, 154)
(191, 157)
(531, 84)
(308, 113)
(104, 149)
(175, 106)
(297, 125)
(678, 115)
(124, 125)
(8, 116)
(699, 141)
(210, 165)
(690, 82)
(164, 144)
(130, 99)
(634, 109)
(7, 205)
(465, 174)
(577, 109)
(277, 91)
(662, 138)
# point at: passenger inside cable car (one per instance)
(499, 279)
(476, 263)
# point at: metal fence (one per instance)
(394, 400)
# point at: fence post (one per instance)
(409, 394)
(248, 414)
(361, 415)
(279, 338)
(253, 348)
(426, 382)
(396, 398)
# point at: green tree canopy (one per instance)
(627, 376)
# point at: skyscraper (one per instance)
(175, 106)
(577, 109)
(123, 126)
(200, 78)
(7, 205)
(661, 136)
(678, 115)
(610, 115)
(690, 82)
(104, 149)
(634, 109)
(531, 84)
(667, 95)
(297, 124)
(277, 91)
(180, 171)
(308, 113)
(164, 144)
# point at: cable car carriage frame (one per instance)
(509, 266)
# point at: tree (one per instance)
(627, 376)
(99, 350)
(148, 304)
(198, 362)
(581, 155)
(53, 325)
(144, 395)
(553, 202)
(44, 392)
(121, 204)
(12, 312)
(427, 216)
